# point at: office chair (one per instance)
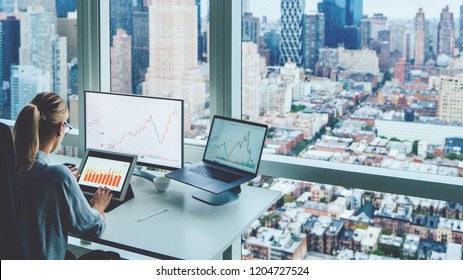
(11, 246)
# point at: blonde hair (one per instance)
(36, 123)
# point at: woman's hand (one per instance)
(73, 169)
(101, 199)
(74, 172)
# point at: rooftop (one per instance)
(277, 239)
(391, 240)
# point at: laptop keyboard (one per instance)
(215, 173)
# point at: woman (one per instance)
(48, 201)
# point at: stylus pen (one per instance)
(152, 214)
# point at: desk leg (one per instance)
(234, 251)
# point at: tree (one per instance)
(387, 76)
(333, 122)
(378, 253)
(452, 156)
(287, 198)
(368, 128)
(297, 108)
(386, 231)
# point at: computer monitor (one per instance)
(146, 126)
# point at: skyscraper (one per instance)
(72, 74)
(419, 37)
(378, 23)
(431, 38)
(313, 38)
(121, 16)
(335, 20)
(9, 46)
(67, 27)
(446, 33)
(59, 63)
(26, 81)
(291, 32)
(384, 55)
(354, 10)
(42, 48)
(250, 80)
(140, 46)
(398, 37)
(37, 27)
(121, 62)
(173, 55)
(350, 37)
(407, 46)
(200, 35)
(365, 32)
(272, 41)
(63, 7)
(342, 22)
(250, 29)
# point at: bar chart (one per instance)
(99, 172)
(102, 177)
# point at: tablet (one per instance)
(106, 169)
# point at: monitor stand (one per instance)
(138, 172)
(220, 198)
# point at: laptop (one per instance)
(231, 158)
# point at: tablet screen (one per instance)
(105, 169)
(100, 172)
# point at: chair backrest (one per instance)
(10, 243)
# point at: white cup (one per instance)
(161, 183)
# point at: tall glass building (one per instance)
(342, 21)
(354, 12)
(291, 31)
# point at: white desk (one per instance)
(190, 229)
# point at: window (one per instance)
(369, 103)
(38, 52)
(377, 102)
(160, 48)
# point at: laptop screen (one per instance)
(237, 144)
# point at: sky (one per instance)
(393, 9)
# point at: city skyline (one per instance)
(407, 11)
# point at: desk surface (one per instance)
(190, 229)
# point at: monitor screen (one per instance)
(149, 127)
(237, 144)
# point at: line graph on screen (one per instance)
(150, 128)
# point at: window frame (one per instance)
(225, 85)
